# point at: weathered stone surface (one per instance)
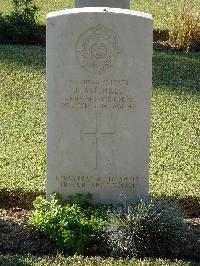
(98, 102)
(105, 3)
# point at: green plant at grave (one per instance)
(184, 27)
(83, 200)
(72, 225)
(147, 229)
(24, 10)
(20, 25)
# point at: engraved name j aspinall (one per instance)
(96, 49)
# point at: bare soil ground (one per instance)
(17, 237)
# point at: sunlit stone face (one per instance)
(98, 103)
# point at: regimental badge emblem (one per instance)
(96, 49)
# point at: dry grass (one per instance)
(184, 28)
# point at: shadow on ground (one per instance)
(12, 261)
(177, 70)
(18, 237)
(24, 200)
(20, 199)
(23, 55)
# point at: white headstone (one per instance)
(106, 3)
(98, 103)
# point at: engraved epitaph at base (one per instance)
(125, 4)
(98, 103)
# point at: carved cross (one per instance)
(97, 133)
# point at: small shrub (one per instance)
(149, 229)
(20, 26)
(72, 225)
(184, 28)
(24, 11)
(83, 200)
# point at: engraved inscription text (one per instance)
(90, 95)
(96, 182)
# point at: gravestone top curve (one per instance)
(98, 10)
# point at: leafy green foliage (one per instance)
(147, 229)
(71, 225)
(44, 7)
(20, 25)
(24, 11)
(83, 200)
